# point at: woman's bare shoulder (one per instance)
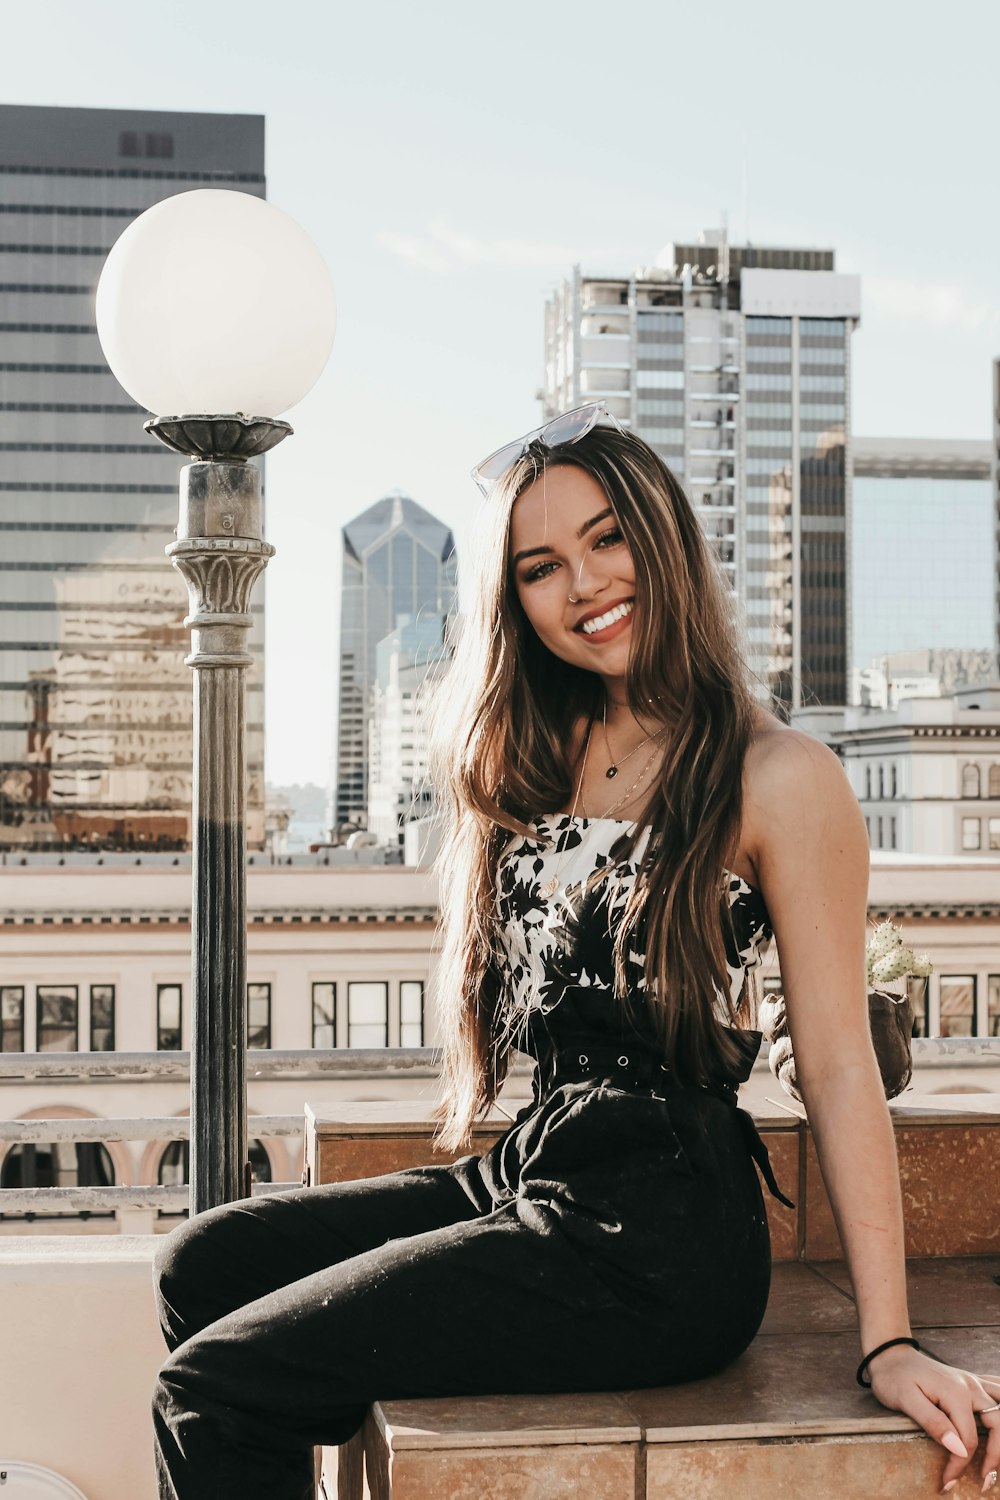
(786, 766)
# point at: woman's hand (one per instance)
(944, 1400)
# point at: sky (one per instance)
(454, 161)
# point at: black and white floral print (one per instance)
(563, 941)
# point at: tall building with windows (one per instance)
(734, 363)
(95, 700)
(399, 789)
(995, 492)
(399, 563)
(923, 563)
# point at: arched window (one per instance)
(881, 786)
(994, 781)
(868, 783)
(175, 1164)
(970, 781)
(894, 784)
(47, 1164)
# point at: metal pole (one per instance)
(220, 552)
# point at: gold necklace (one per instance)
(626, 796)
(614, 767)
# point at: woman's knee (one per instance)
(189, 1271)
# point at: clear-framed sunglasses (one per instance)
(570, 427)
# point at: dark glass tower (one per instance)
(399, 564)
(95, 700)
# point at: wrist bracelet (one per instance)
(863, 1366)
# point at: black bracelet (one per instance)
(862, 1367)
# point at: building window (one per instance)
(168, 1017)
(970, 833)
(958, 1005)
(995, 833)
(258, 1015)
(868, 783)
(324, 1015)
(174, 1169)
(918, 991)
(368, 1014)
(58, 1008)
(11, 1017)
(970, 781)
(994, 780)
(154, 143)
(879, 844)
(59, 1164)
(102, 1018)
(892, 831)
(993, 1006)
(411, 1013)
(893, 782)
(881, 784)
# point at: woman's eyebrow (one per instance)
(594, 521)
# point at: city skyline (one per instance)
(452, 178)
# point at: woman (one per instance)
(628, 828)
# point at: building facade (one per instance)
(734, 363)
(399, 789)
(995, 494)
(96, 959)
(923, 572)
(927, 774)
(95, 700)
(399, 564)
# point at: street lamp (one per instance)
(214, 304)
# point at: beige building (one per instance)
(94, 975)
(927, 773)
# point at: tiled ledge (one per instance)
(785, 1421)
(943, 1217)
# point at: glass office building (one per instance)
(95, 700)
(399, 563)
(733, 362)
(923, 555)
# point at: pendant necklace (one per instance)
(615, 766)
(551, 886)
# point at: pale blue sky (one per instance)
(453, 162)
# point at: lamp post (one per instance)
(213, 302)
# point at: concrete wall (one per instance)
(81, 1350)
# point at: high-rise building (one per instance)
(923, 573)
(995, 491)
(399, 562)
(95, 700)
(734, 363)
(399, 789)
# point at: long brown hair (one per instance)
(500, 734)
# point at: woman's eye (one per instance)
(612, 537)
(538, 571)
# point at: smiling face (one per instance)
(573, 571)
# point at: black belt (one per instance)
(628, 1066)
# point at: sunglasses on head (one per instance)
(570, 427)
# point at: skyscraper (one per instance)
(399, 564)
(95, 727)
(734, 363)
(923, 560)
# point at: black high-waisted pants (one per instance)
(613, 1238)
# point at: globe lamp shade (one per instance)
(215, 302)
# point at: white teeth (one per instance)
(590, 627)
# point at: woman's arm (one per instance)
(811, 853)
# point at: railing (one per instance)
(931, 1053)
